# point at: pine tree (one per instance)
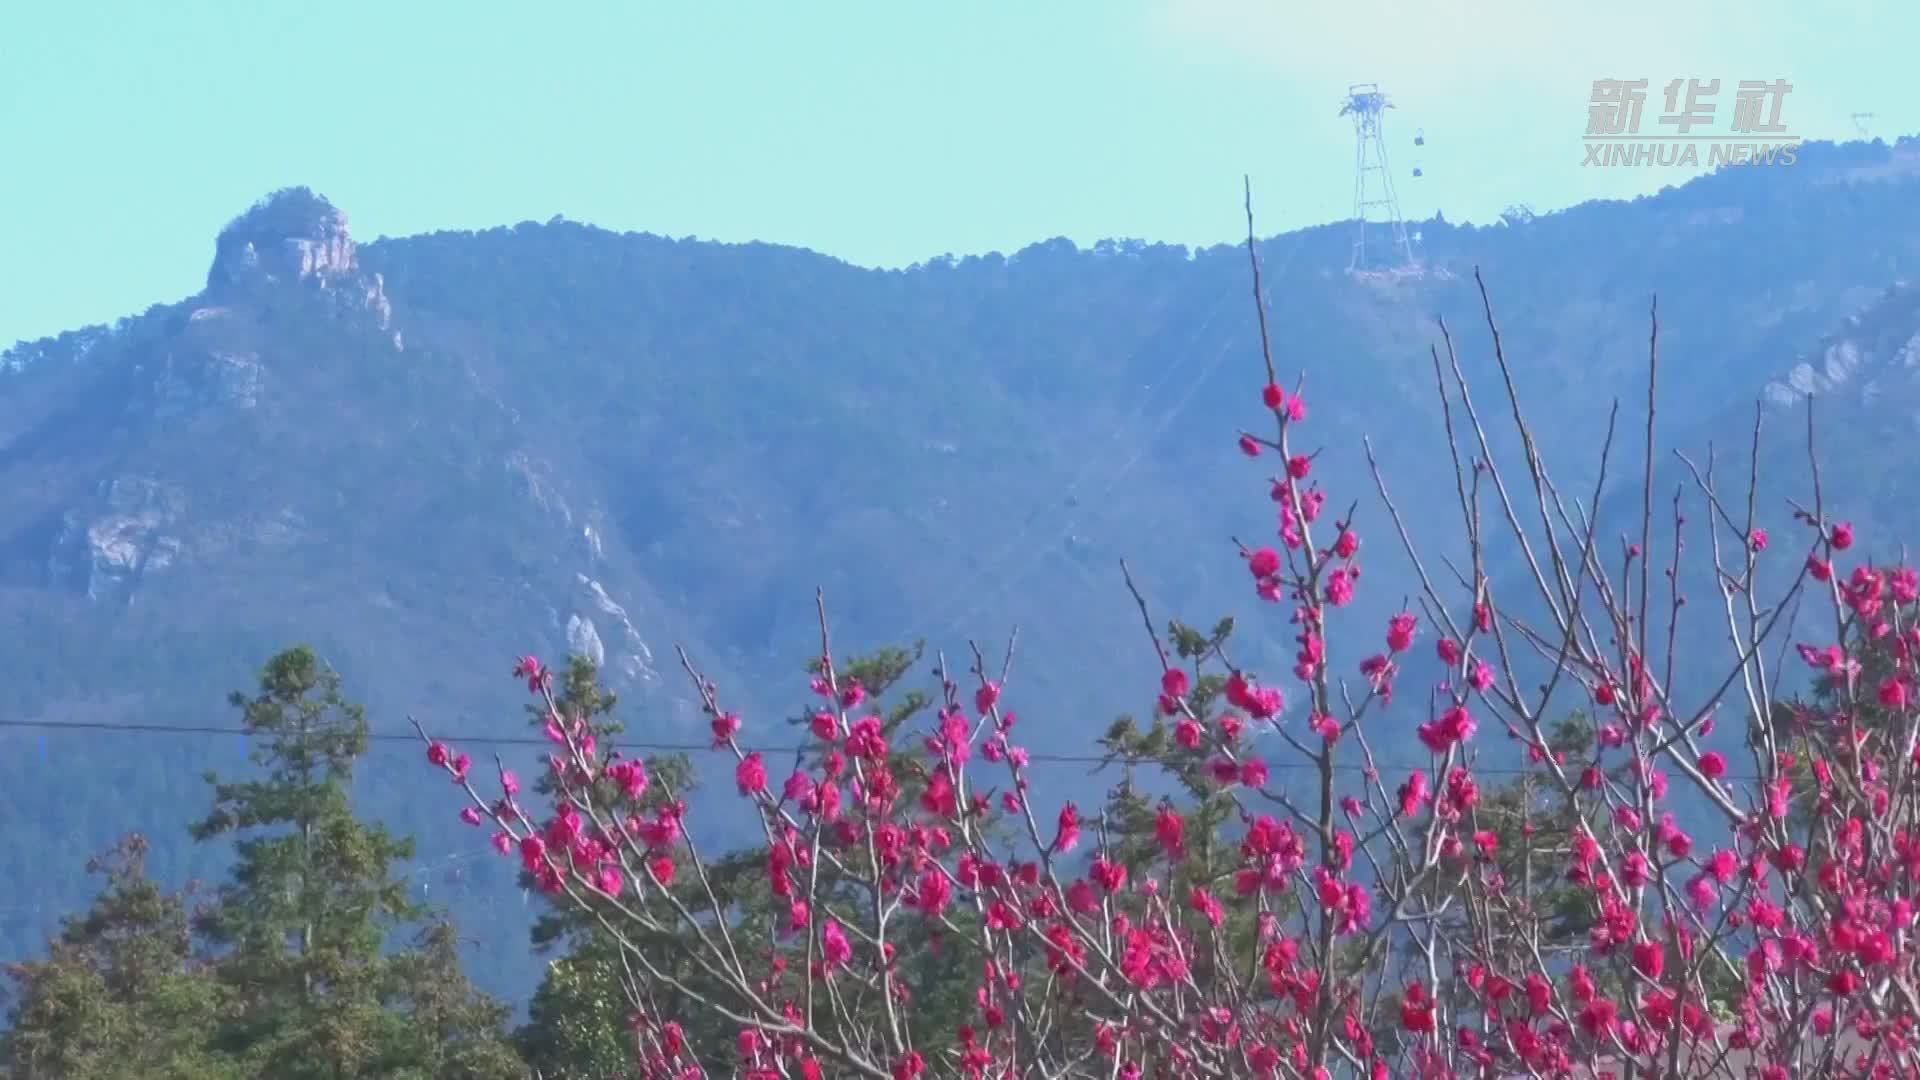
(304, 924)
(456, 1032)
(122, 993)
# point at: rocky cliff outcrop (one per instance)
(127, 532)
(629, 657)
(1877, 350)
(295, 236)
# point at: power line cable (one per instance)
(475, 738)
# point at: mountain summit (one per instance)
(294, 236)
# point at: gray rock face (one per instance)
(1878, 350)
(104, 551)
(295, 237)
(584, 640)
(288, 236)
(635, 659)
(628, 659)
(596, 625)
(1836, 366)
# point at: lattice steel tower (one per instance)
(1373, 199)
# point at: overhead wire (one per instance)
(655, 746)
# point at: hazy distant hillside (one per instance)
(428, 454)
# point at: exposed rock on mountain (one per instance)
(105, 549)
(631, 658)
(294, 236)
(289, 235)
(1875, 351)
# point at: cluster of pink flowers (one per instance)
(1359, 929)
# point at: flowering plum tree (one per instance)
(1418, 922)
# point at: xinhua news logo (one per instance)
(1755, 135)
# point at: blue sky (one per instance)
(882, 133)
